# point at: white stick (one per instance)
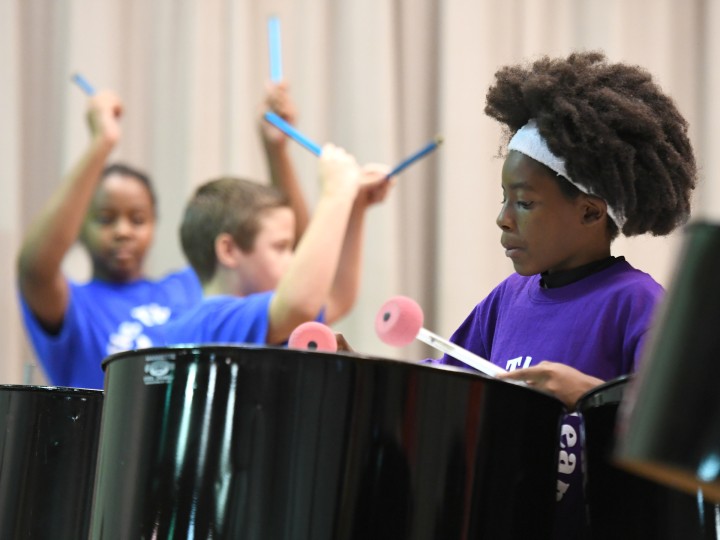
(465, 356)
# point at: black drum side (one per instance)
(622, 505)
(670, 421)
(48, 448)
(269, 443)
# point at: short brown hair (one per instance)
(226, 205)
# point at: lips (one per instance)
(511, 248)
(123, 254)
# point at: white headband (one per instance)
(528, 141)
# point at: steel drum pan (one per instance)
(269, 443)
(622, 505)
(48, 448)
(670, 422)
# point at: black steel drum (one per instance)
(622, 505)
(48, 448)
(269, 443)
(671, 420)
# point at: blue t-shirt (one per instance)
(597, 325)
(219, 319)
(105, 318)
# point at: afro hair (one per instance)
(619, 134)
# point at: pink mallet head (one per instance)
(398, 321)
(313, 336)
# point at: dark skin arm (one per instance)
(58, 226)
(282, 172)
(564, 382)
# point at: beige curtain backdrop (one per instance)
(378, 77)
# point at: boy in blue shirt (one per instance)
(239, 238)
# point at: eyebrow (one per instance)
(520, 185)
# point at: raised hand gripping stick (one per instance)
(312, 146)
(277, 121)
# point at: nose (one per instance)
(123, 228)
(504, 219)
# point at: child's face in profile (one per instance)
(542, 229)
(264, 266)
(119, 228)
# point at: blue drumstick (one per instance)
(432, 145)
(275, 48)
(293, 133)
(84, 85)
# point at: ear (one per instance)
(594, 210)
(227, 252)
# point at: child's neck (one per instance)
(222, 284)
(566, 277)
(226, 282)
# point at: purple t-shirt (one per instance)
(596, 325)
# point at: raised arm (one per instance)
(275, 142)
(373, 189)
(51, 235)
(304, 289)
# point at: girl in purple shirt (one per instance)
(595, 149)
